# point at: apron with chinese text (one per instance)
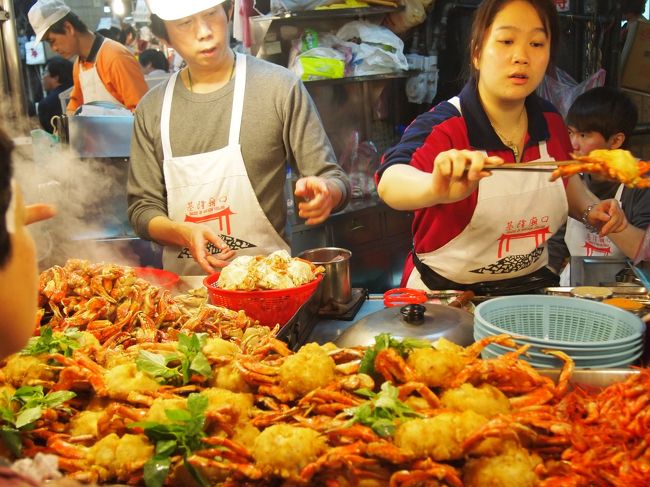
(213, 188)
(493, 246)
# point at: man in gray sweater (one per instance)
(210, 148)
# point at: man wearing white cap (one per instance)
(104, 71)
(211, 146)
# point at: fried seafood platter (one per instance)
(203, 404)
(615, 164)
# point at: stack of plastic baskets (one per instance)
(593, 334)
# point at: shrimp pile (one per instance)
(120, 309)
(193, 407)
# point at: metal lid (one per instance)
(437, 321)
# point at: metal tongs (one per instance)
(543, 166)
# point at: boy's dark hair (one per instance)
(604, 110)
(59, 26)
(157, 25)
(636, 7)
(154, 57)
(6, 146)
(59, 67)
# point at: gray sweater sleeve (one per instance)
(280, 125)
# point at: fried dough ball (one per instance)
(439, 437)
(119, 457)
(512, 468)
(126, 378)
(486, 399)
(218, 347)
(245, 434)
(435, 367)
(156, 412)
(285, 450)
(238, 402)
(307, 370)
(25, 370)
(229, 377)
(85, 423)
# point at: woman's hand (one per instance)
(198, 238)
(456, 173)
(608, 217)
(319, 197)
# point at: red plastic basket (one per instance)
(159, 277)
(269, 307)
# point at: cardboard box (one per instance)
(635, 59)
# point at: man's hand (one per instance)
(197, 237)
(319, 197)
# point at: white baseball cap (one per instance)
(175, 9)
(44, 14)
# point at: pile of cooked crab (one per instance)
(190, 405)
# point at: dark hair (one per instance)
(126, 30)
(60, 68)
(157, 25)
(636, 7)
(604, 110)
(488, 10)
(59, 26)
(6, 146)
(154, 57)
(113, 33)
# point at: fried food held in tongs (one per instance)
(616, 164)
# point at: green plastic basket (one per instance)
(556, 321)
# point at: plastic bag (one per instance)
(376, 49)
(360, 160)
(561, 89)
(319, 63)
(314, 56)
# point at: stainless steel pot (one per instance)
(336, 284)
(427, 321)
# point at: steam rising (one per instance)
(90, 197)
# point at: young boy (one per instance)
(602, 118)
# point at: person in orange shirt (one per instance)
(105, 70)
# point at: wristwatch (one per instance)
(584, 220)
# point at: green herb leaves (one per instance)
(50, 342)
(32, 403)
(383, 410)
(177, 368)
(181, 437)
(385, 340)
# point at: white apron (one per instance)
(493, 246)
(92, 87)
(582, 242)
(213, 188)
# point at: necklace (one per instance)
(511, 144)
(232, 71)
